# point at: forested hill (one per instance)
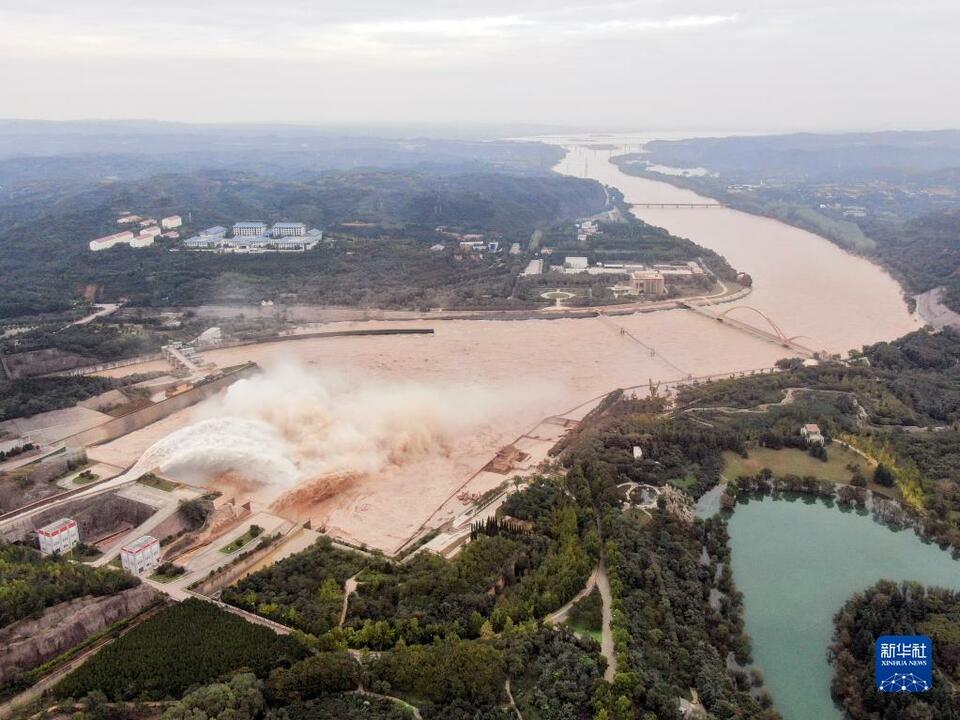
(45, 261)
(750, 158)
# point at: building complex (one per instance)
(256, 237)
(150, 229)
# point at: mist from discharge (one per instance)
(291, 427)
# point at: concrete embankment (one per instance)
(260, 340)
(125, 424)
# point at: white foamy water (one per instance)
(221, 445)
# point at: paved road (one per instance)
(102, 311)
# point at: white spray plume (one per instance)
(289, 424)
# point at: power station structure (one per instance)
(58, 537)
(140, 556)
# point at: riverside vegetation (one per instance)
(446, 635)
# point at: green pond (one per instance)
(796, 562)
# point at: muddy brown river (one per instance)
(805, 284)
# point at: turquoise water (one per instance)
(797, 562)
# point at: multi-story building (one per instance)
(171, 222)
(140, 556)
(108, 241)
(649, 282)
(283, 237)
(249, 229)
(209, 239)
(59, 536)
(288, 229)
(246, 244)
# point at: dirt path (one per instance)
(403, 703)
(560, 616)
(349, 588)
(606, 640)
(513, 705)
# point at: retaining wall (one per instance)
(112, 429)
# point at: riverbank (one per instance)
(803, 283)
(844, 234)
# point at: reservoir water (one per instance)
(797, 562)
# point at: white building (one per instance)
(249, 229)
(648, 282)
(59, 536)
(575, 263)
(534, 267)
(202, 242)
(127, 219)
(209, 239)
(293, 244)
(217, 231)
(108, 241)
(141, 555)
(245, 244)
(288, 229)
(811, 433)
(142, 240)
(171, 222)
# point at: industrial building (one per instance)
(249, 229)
(140, 556)
(171, 222)
(58, 537)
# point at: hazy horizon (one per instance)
(729, 66)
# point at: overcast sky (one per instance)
(671, 64)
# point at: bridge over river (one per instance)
(676, 205)
(774, 334)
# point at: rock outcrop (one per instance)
(33, 641)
